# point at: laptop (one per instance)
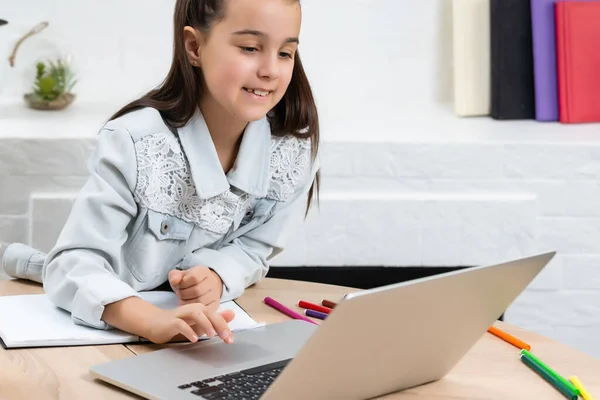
(374, 342)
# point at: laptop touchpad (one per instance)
(220, 355)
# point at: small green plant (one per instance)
(53, 80)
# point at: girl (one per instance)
(194, 183)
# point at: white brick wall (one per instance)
(405, 183)
(412, 229)
(380, 207)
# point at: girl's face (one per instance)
(248, 57)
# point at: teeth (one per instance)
(261, 93)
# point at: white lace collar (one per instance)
(251, 170)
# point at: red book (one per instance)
(578, 60)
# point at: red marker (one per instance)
(314, 307)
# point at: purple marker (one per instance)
(315, 314)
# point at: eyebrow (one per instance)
(261, 34)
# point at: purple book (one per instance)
(544, 60)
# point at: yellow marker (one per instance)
(584, 393)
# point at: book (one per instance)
(34, 321)
(544, 60)
(471, 52)
(578, 56)
(511, 55)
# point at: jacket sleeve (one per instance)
(80, 273)
(244, 261)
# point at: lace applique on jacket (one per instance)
(289, 164)
(165, 185)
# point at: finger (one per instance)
(187, 310)
(192, 315)
(184, 302)
(212, 305)
(178, 338)
(175, 278)
(190, 293)
(219, 323)
(210, 300)
(186, 330)
(203, 325)
(195, 316)
(191, 301)
(228, 315)
(195, 291)
(191, 279)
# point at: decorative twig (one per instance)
(36, 29)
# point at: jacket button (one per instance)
(164, 227)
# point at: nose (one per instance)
(269, 67)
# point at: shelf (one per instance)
(440, 125)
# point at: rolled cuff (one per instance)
(90, 300)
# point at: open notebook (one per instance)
(33, 321)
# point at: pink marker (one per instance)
(290, 313)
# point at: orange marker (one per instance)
(509, 338)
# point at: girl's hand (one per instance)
(190, 321)
(198, 284)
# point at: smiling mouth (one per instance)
(258, 92)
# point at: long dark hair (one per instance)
(176, 98)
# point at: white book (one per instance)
(34, 321)
(471, 54)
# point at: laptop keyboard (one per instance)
(248, 384)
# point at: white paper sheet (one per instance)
(34, 321)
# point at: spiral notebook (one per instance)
(33, 321)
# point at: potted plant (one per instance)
(54, 81)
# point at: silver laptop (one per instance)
(374, 342)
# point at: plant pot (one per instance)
(57, 104)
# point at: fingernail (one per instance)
(194, 338)
(212, 333)
(225, 335)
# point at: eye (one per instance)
(248, 49)
(286, 55)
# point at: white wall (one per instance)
(380, 62)
(405, 182)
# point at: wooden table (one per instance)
(491, 370)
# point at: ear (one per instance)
(192, 41)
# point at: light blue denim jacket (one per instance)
(157, 199)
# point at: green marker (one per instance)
(549, 378)
(550, 371)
